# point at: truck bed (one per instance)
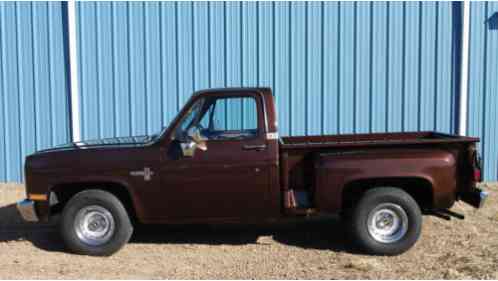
(374, 139)
(299, 153)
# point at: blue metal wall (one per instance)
(33, 82)
(335, 67)
(483, 82)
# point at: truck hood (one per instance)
(135, 141)
(94, 154)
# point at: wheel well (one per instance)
(420, 189)
(65, 192)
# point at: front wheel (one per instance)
(386, 221)
(95, 223)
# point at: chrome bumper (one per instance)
(27, 210)
(476, 198)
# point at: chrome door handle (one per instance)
(257, 147)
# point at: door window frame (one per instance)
(260, 109)
(226, 98)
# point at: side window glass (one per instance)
(230, 118)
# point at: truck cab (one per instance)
(222, 160)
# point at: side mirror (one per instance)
(188, 148)
(194, 141)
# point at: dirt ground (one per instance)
(317, 249)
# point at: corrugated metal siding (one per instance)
(33, 88)
(483, 82)
(335, 67)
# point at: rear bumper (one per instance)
(28, 210)
(476, 198)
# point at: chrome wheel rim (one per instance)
(94, 225)
(387, 223)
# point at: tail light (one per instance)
(477, 166)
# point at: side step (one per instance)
(300, 211)
(297, 203)
(297, 199)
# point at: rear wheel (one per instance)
(95, 222)
(386, 221)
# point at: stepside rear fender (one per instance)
(337, 171)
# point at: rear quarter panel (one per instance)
(335, 171)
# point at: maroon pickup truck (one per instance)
(222, 160)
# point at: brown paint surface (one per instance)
(228, 182)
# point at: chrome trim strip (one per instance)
(265, 114)
(27, 210)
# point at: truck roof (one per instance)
(233, 89)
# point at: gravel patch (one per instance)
(314, 249)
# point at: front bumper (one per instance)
(28, 210)
(476, 198)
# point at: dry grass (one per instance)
(454, 249)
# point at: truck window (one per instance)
(230, 118)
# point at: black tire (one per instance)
(373, 202)
(116, 239)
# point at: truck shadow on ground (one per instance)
(326, 234)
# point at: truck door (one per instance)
(229, 177)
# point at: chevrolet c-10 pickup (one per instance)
(221, 160)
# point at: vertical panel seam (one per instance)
(403, 70)
(306, 69)
(467, 118)
(20, 98)
(50, 76)
(484, 82)
(436, 66)
(419, 66)
(146, 65)
(35, 88)
(225, 82)
(128, 43)
(161, 70)
(177, 59)
(192, 43)
(290, 67)
(355, 67)
(209, 43)
(4, 96)
(273, 77)
(338, 109)
(241, 28)
(370, 68)
(113, 72)
(132, 71)
(225, 50)
(388, 14)
(81, 55)
(322, 68)
(257, 45)
(97, 72)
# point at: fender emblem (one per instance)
(147, 173)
